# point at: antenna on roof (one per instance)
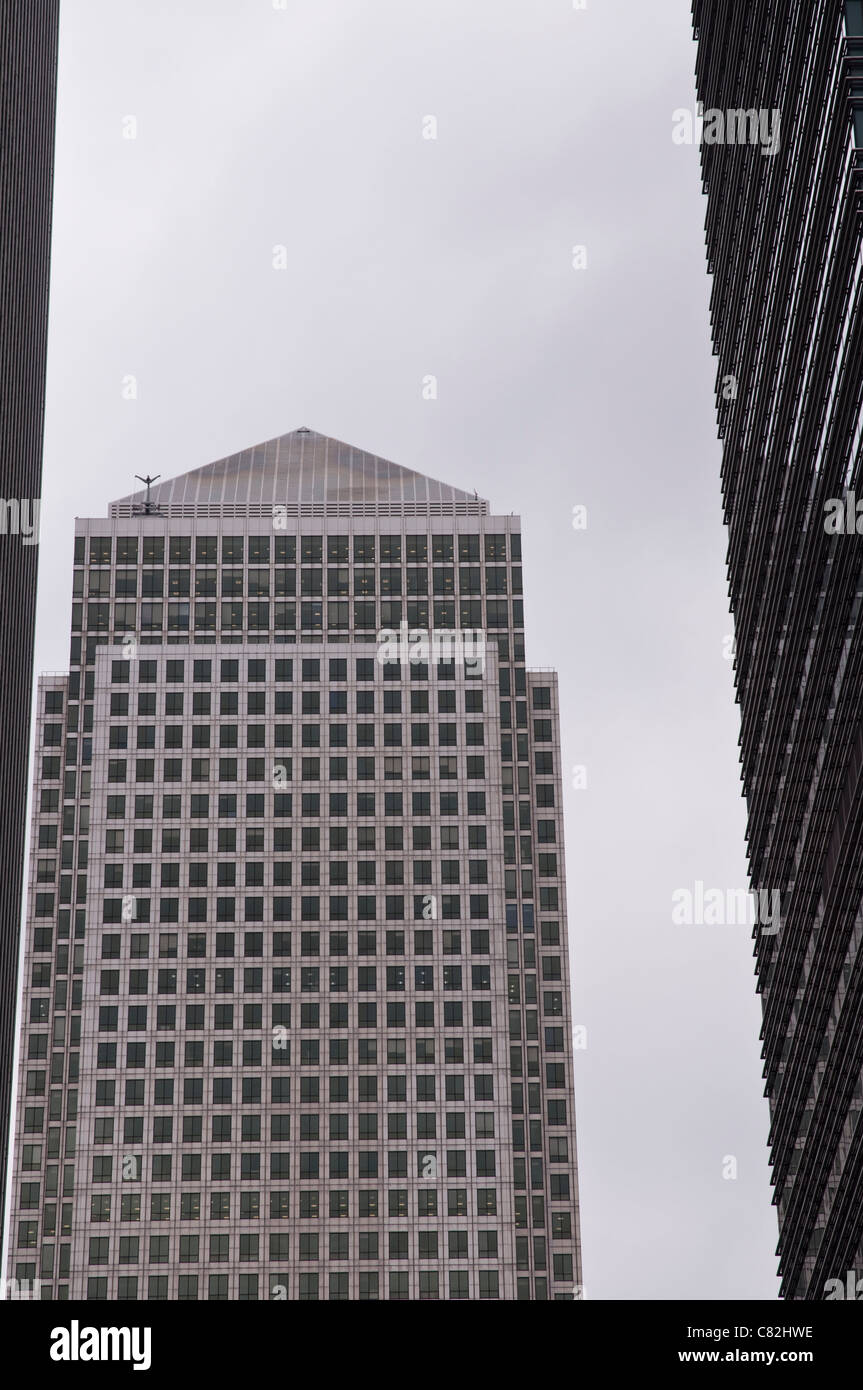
(149, 508)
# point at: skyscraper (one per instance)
(784, 246)
(297, 1011)
(28, 85)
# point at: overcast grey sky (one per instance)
(302, 127)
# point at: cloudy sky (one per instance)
(254, 232)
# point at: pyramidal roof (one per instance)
(305, 474)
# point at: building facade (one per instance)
(28, 86)
(784, 247)
(297, 1011)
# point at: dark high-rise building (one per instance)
(781, 87)
(296, 1012)
(28, 84)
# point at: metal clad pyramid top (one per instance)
(306, 474)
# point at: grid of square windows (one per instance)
(190, 804)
